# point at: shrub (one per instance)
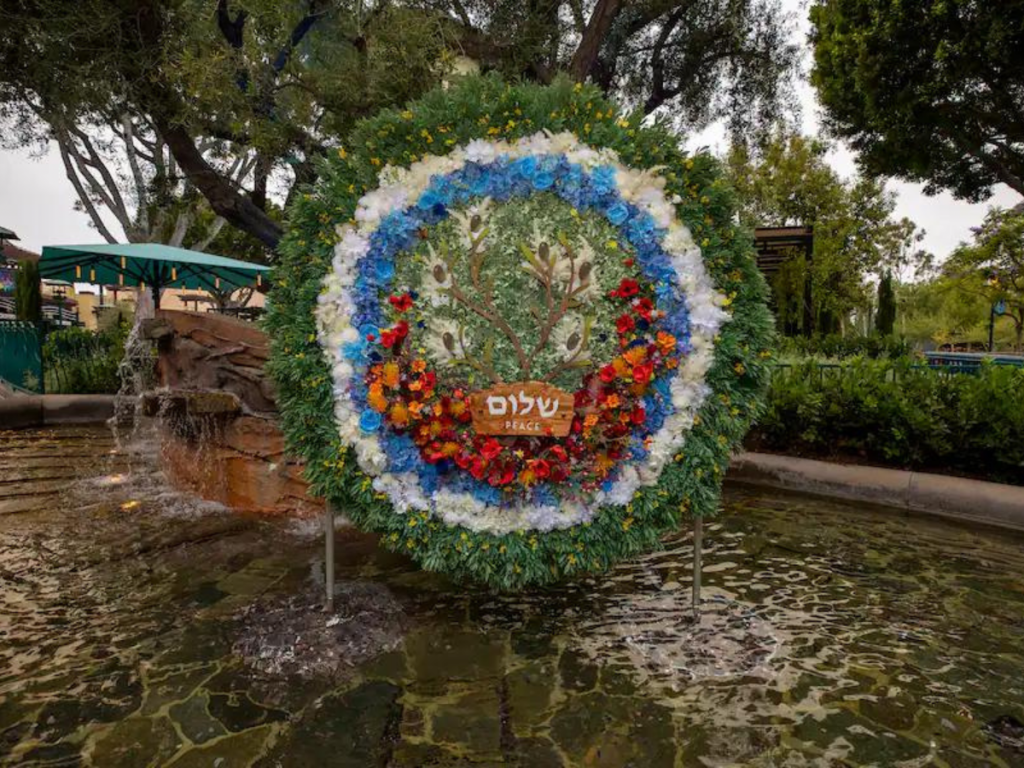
(839, 347)
(78, 361)
(900, 414)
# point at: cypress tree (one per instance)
(885, 318)
(28, 300)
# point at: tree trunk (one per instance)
(586, 54)
(225, 200)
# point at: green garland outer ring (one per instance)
(487, 108)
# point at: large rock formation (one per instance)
(217, 414)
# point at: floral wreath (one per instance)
(521, 340)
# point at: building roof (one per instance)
(11, 252)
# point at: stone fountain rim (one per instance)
(979, 503)
(27, 411)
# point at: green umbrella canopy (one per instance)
(151, 264)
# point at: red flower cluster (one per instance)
(402, 303)
(393, 339)
(627, 288)
(609, 406)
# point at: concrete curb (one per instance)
(50, 410)
(956, 498)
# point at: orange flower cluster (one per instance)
(609, 407)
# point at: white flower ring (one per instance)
(401, 188)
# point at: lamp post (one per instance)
(998, 308)
(60, 293)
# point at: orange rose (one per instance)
(391, 375)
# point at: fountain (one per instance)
(216, 413)
(160, 586)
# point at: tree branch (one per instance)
(83, 196)
(141, 188)
(299, 32)
(222, 195)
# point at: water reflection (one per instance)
(140, 626)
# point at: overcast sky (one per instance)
(37, 201)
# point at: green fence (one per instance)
(21, 354)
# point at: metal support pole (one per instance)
(698, 542)
(329, 556)
(991, 328)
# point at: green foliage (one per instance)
(928, 91)
(993, 266)
(885, 314)
(479, 108)
(837, 347)
(28, 299)
(900, 414)
(77, 361)
(787, 181)
(279, 83)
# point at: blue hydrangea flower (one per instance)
(603, 179)
(354, 350)
(369, 421)
(617, 213)
(543, 181)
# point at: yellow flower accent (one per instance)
(627, 523)
(375, 161)
(407, 115)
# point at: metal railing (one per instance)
(21, 354)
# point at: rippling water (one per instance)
(140, 626)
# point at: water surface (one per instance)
(142, 627)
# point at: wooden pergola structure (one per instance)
(775, 246)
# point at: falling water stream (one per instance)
(140, 626)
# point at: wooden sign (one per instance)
(522, 408)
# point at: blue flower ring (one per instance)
(390, 222)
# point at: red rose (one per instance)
(625, 324)
(608, 374)
(642, 373)
(508, 474)
(479, 468)
(394, 337)
(643, 307)
(490, 449)
(626, 289)
(401, 303)
(560, 453)
(541, 468)
(638, 415)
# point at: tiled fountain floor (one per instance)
(831, 636)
